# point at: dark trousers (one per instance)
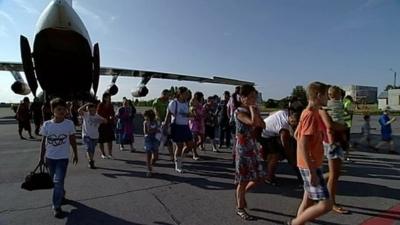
(225, 135)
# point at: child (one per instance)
(210, 121)
(335, 109)
(386, 131)
(366, 132)
(249, 165)
(310, 154)
(335, 141)
(90, 130)
(58, 134)
(196, 123)
(151, 139)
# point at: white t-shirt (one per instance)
(275, 123)
(90, 125)
(181, 117)
(57, 138)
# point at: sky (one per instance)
(276, 44)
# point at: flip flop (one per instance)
(340, 210)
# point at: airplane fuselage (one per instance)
(62, 53)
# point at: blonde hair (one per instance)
(316, 88)
(335, 91)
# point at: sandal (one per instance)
(340, 210)
(244, 215)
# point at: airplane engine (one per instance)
(112, 89)
(140, 92)
(20, 88)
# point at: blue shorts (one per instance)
(90, 144)
(319, 192)
(333, 152)
(181, 133)
(151, 144)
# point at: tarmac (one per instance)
(118, 191)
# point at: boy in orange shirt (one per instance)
(310, 155)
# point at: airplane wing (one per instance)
(159, 75)
(8, 66)
(108, 71)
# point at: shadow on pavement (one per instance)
(198, 182)
(84, 215)
(387, 214)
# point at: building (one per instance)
(362, 94)
(383, 100)
(389, 100)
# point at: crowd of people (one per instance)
(301, 134)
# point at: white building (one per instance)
(389, 99)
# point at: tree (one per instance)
(300, 93)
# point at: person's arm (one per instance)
(303, 142)
(101, 119)
(145, 128)
(391, 121)
(72, 141)
(82, 109)
(249, 120)
(42, 151)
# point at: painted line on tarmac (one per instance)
(390, 217)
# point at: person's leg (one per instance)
(228, 136)
(334, 173)
(312, 212)
(58, 170)
(241, 195)
(305, 203)
(178, 157)
(221, 135)
(170, 147)
(109, 146)
(20, 127)
(272, 164)
(148, 163)
(103, 154)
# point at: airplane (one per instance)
(66, 65)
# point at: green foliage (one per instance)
(300, 93)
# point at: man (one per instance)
(348, 119)
(160, 106)
(223, 118)
(277, 142)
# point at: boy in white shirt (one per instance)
(90, 130)
(58, 134)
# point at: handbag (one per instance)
(38, 180)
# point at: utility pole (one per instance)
(395, 76)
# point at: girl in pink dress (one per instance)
(196, 123)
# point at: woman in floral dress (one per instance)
(249, 165)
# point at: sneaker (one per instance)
(121, 148)
(196, 158)
(31, 137)
(214, 149)
(103, 157)
(110, 157)
(179, 170)
(22, 138)
(58, 213)
(149, 174)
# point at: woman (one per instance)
(125, 125)
(196, 123)
(106, 130)
(178, 119)
(249, 165)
